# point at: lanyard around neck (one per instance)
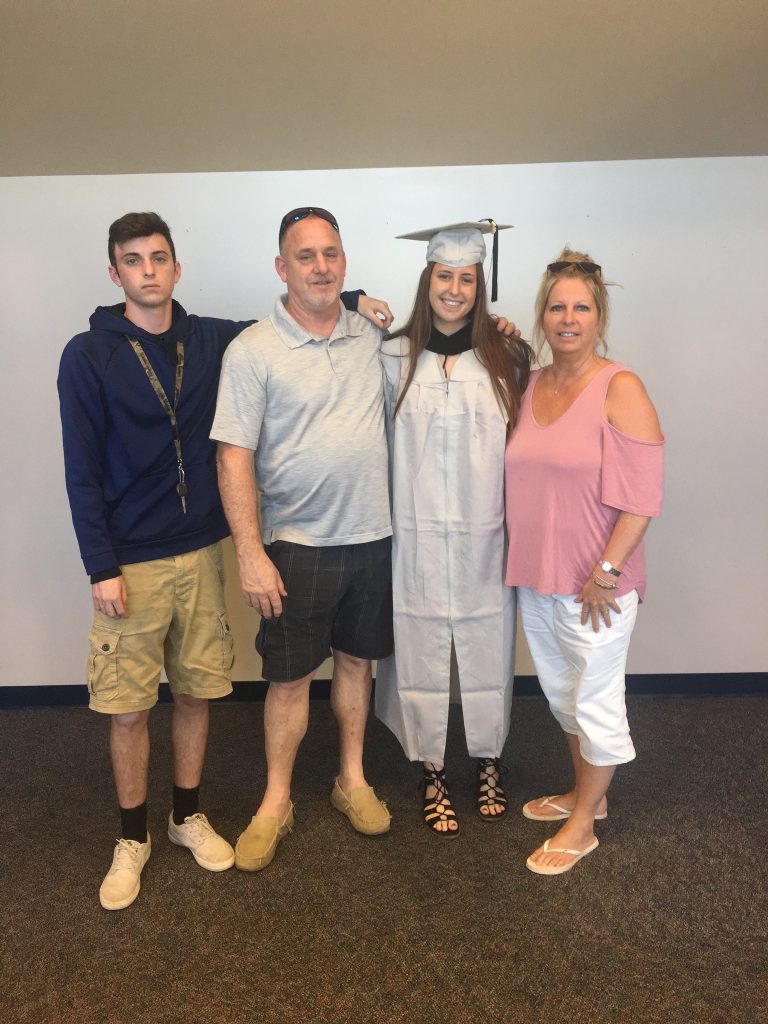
(181, 487)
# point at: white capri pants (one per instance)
(582, 672)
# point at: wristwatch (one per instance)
(607, 567)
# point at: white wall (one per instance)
(685, 238)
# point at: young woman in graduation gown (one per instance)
(453, 387)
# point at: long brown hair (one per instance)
(507, 360)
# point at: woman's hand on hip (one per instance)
(597, 604)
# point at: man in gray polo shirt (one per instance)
(303, 390)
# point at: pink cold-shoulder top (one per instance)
(565, 485)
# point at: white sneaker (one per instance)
(208, 848)
(123, 881)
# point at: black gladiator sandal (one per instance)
(438, 808)
(489, 790)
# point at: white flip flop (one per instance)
(549, 801)
(549, 869)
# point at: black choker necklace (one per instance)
(451, 344)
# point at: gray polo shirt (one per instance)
(312, 409)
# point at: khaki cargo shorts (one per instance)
(177, 620)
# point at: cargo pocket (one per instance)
(103, 663)
(227, 643)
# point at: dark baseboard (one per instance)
(696, 684)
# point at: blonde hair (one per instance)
(594, 281)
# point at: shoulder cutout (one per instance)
(629, 409)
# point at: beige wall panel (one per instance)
(101, 87)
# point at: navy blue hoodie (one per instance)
(119, 457)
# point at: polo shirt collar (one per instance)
(294, 335)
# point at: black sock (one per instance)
(185, 803)
(133, 821)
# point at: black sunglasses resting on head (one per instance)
(305, 211)
(584, 266)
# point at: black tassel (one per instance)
(495, 266)
(494, 259)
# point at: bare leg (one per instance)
(189, 729)
(350, 697)
(568, 800)
(577, 831)
(129, 747)
(286, 714)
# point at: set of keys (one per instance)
(181, 487)
(182, 490)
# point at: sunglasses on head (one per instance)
(305, 211)
(584, 266)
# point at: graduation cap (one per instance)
(462, 245)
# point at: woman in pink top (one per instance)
(583, 476)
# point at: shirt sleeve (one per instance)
(349, 300)
(242, 397)
(632, 473)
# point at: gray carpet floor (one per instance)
(666, 923)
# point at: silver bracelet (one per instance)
(603, 584)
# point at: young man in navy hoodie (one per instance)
(138, 395)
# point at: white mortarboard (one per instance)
(461, 245)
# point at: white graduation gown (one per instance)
(447, 466)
